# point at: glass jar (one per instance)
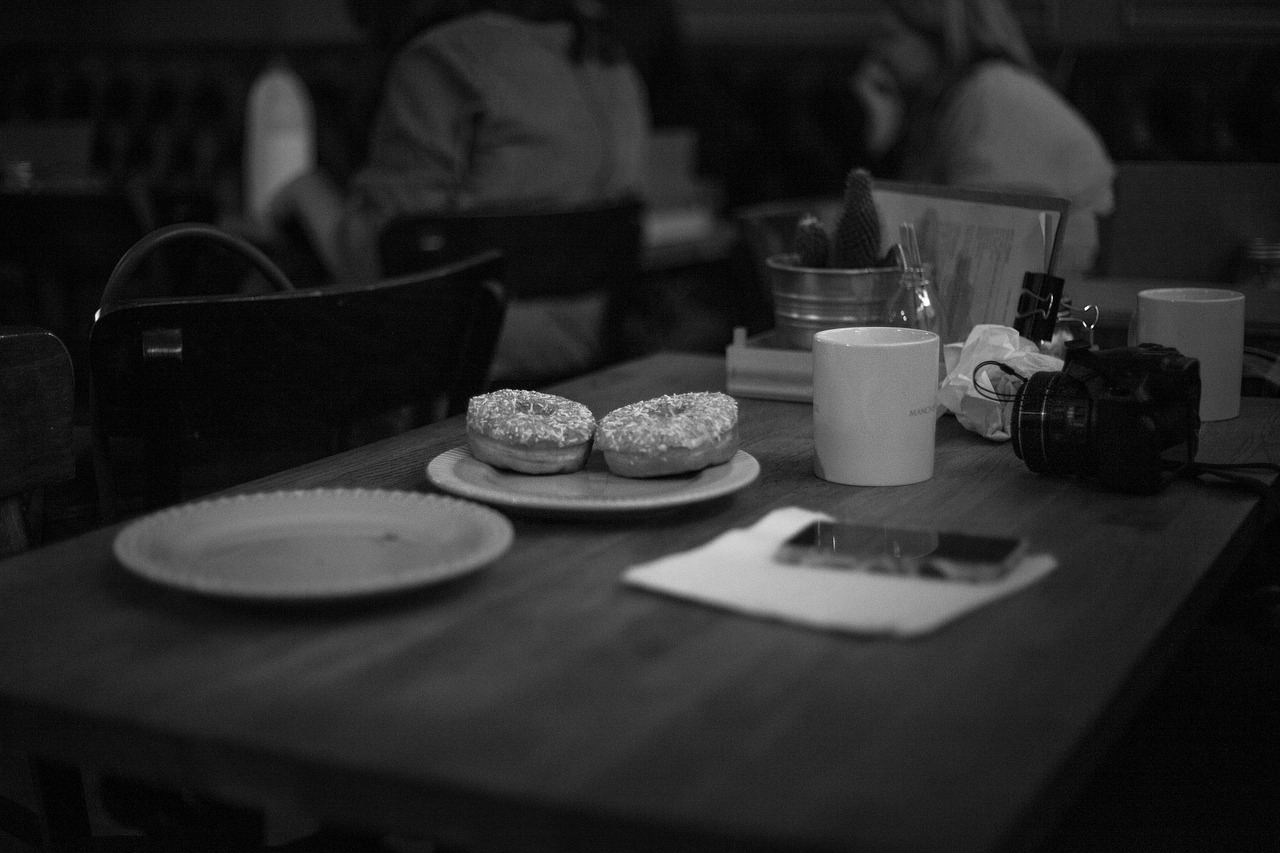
(916, 304)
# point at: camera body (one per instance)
(1126, 418)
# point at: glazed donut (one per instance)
(670, 434)
(529, 432)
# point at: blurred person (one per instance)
(952, 90)
(494, 106)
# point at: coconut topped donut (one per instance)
(530, 418)
(529, 432)
(670, 434)
(674, 420)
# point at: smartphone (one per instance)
(933, 554)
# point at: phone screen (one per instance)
(939, 555)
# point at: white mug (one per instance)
(874, 397)
(1203, 323)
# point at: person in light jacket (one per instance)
(952, 88)
(496, 106)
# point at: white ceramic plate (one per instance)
(314, 544)
(591, 491)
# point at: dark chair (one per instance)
(195, 394)
(37, 397)
(548, 254)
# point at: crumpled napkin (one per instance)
(736, 570)
(989, 342)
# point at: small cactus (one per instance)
(856, 243)
(812, 242)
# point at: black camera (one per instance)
(1128, 418)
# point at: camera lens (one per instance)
(1050, 424)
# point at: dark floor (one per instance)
(1198, 769)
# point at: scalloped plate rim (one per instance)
(495, 536)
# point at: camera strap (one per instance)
(991, 393)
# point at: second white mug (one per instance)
(874, 398)
(1206, 324)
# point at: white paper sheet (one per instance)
(736, 570)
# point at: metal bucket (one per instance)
(810, 299)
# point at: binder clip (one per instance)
(1038, 305)
(1075, 324)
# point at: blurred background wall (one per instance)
(762, 81)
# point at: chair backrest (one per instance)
(209, 392)
(548, 253)
(37, 402)
(1188, 221)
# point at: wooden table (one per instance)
(542, 704)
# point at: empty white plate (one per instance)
(313, 544)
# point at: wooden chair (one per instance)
(195, 394)
(37, 399)
(548, 254)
